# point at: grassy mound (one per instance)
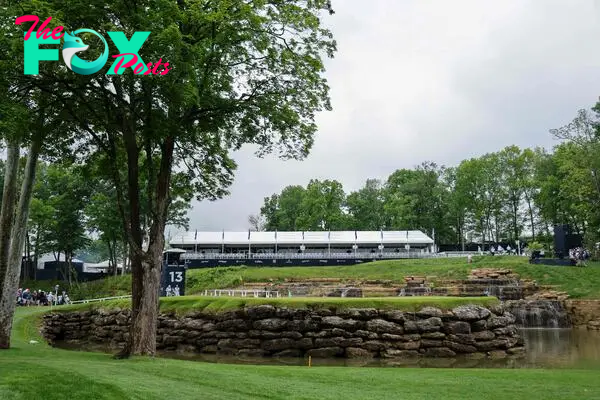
(184, 304)
(36, 371)
(578, 282)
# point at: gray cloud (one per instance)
(432, 80)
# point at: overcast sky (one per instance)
(438, 80)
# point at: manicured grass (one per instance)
(184, 304)
(578, 282)
(36, 371)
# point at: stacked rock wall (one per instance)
(584, 313)
(269, 331)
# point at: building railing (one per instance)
(316, 256)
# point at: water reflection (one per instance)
(546, 348)
(562, 347)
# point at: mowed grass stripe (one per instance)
(32, 371)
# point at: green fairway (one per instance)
(36, 371)
(578, 282)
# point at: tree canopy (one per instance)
(509, 195)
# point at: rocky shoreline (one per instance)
(266, 330)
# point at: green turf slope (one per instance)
(36, 371)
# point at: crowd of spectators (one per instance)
(40, 298)
(579, 256)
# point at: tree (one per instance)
(366, 207)
(242, 73)
(414, 199)
(269, 212)
(478, 182)
(579, 156)
(256, 222)
(321, 206)
(32, 121)
(514, 176)
(282, 211)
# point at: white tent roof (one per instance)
(321, 237)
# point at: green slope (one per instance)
(36, 371)
(578, 282)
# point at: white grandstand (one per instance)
(325, 242)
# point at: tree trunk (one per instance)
(125, 258)
(531, 219)
(19, 231)
(146, 266)
(7, 211)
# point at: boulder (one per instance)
(238, 343)
(461, 338)
(389, 336)
(288, 353)
(357, 352)
(303, 325)
(374, 345)
(507, 331)
(439, 352)
(406, 345)
(393, 353)
(425, 343)
(351, 342)
(304, 344)
(326, 352)
(291, 335)
(358, 313)
(383, 326)
(491, 345)
(481, 325)
(430, 312)
(471, 313)
(233, 325)
(340, 323)
(394, 316)
(260, 312)
(365, 334)
(497, 309)
(275, 345)
(329, 342)
(270, 324)
(483, 335)
(434, 335)
(459, 347)
(457, 327)
(193, 324)
(432, 324)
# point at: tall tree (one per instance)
(321, 206)
(241, 73)
(366, 207)
(414, 199)
(513, 178)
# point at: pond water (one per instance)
(546, 348)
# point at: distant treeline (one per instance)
(499, 197)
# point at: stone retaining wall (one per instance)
(269, 331)
(584, 313)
